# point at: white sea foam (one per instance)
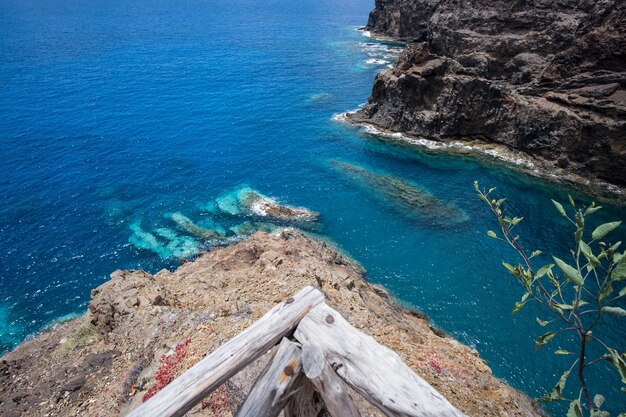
(339, 117)
(259, 207)
(441, 146)
(376, 61)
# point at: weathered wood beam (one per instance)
(271, 390)
(338, 401)
(190, 388)
(374, 371)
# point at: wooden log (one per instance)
(338, 401)
(271, 390)
(305, 401)
(200, 380)
(374, 371)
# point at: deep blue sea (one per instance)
(116, 114)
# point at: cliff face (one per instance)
(541, 76)
(104, 363)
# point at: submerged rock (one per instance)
(164, 242)
(410, 199)
(188, 226)
(319, 98)
(247, 201)
(248, 228)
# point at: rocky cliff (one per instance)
(106, 362)
(544, 77)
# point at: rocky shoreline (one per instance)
(538, 85)
(498, 155)
(106, 362)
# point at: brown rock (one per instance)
(542, 78)
(210, 301)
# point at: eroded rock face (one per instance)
(544, 77)
(103, 363)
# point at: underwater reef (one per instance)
(245, 200)
(409, 199)
(234, 215)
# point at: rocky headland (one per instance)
(536, 83)
(141, 330)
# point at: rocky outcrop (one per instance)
(543, 77)
(103, 363)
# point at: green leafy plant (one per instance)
(578, 292)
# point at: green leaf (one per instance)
(553, 280)
(619, 272)
(580, 219)
(570, 272)
(621, 293)
(562, 352)
(560, 208)
(543, 270)
(564, 306)
(544, 339)
(606, 291)
(571, 201)
(586, 250)
(614, 311)
(579, 234)
(491, 233)
(619, 364)
(604, 229)
(511, 269)
(592, 210)
(518, 306)
(557, 392)
(535, 253)
(542, 323)
(574, 409)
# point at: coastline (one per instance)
(368, 33)
(498, 155)
(104, 362)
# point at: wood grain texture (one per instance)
(373, 370)
(336, 398)
(271, 390)
(190, 388)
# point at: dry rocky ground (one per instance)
(104, 363)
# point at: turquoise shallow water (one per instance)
(115, 115)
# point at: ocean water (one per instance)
(114, 116)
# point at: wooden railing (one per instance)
(324, 354)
